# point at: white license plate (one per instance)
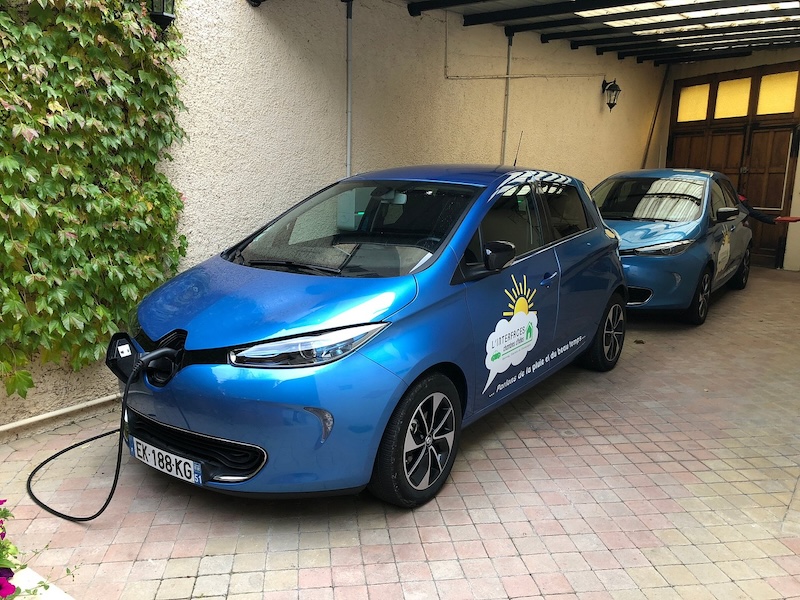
(166, 462)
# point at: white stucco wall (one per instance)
(265, 90)
(265, 107)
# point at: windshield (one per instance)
(650, 198)
(360, 229)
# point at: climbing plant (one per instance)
(88, 224)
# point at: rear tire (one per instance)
(698, 310)
(739, 280)
(420, 443)
(606, 347)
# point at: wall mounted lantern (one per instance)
(611, 90)
(162, 12)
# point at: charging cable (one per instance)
(140, 365)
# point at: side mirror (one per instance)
(498, 255)
(726, 214)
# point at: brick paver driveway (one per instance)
(673, 476)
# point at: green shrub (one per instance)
(88, 225)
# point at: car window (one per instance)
(512, 218)
(731, 197)
(360, 229)
(676, 199)
(564, 212)
(717, 199)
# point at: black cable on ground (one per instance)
(121, 442)
(138, 368)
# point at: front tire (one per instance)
(420, 443)
(606, 347)
(739, 280)
(698, 310)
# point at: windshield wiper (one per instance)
(294, 266)
(624, 218)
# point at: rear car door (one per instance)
(583, 251)
(740, 234)
(726, 254)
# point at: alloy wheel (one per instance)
(704, 294)
(429, 441)
(745, 267)
(613, 332)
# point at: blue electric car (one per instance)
(347, 342)
(682, 236)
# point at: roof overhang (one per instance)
(664, 31)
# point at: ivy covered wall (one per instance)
(88, 225)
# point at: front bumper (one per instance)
(275, 417)
(662, 282)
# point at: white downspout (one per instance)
(349, 157)
(505, 105)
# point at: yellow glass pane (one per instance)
(777, 93)
(733, 98)
(693, 103)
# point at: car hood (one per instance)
(221, 304)
(637, 234)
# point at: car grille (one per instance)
(637, 295)
(223, 460)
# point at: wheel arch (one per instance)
(388, 482)
(450, 370)
(622, 290)
(455, 374)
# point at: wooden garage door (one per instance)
(743, 124)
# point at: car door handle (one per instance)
(548, 278)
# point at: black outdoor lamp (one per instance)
(611, 90)
(162, 12)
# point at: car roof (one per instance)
(669, 173)
(466, 174)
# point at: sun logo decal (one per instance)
(521, 297)
(512, 338)
(724, 251)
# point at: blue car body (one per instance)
(664, 260)
(317, 428)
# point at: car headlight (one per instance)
(667, 249)
(306, 350)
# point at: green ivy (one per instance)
(88, 225)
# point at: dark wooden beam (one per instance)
(626, 41)
(608, 32)
(773, 38)
(415, 9)
(694, 57)
(636, 14)
(538, 10)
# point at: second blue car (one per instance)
(683, 234)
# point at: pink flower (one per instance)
(6, 588)
(2, 502)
